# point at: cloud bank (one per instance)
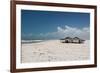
(68, 31)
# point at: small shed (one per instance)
(72, 40)
(66, 40)
(77, 40)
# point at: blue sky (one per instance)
(48, 24)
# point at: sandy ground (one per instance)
(54, 50)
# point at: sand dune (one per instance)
(54, 50)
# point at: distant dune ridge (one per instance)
(54, 50)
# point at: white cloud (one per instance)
(83, 33)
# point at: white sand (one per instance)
(54, 50)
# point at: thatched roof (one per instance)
(68, 38)
(76, 38)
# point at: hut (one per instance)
(77, 40)
(66, 40)
(72, 40)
